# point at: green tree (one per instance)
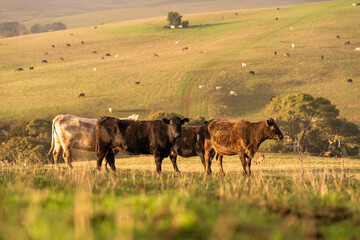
(174, 18)
(185, 24)
(309, 121)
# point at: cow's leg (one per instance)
(248, 165)
(158, 162)
(110, 159)
(208, 153)
(243, 162)
(68, 157)
(101, 153)
(220, 165)
(56, 154)
(173, 157)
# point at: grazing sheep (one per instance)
(94, 69)
(218, 87)
(243, 64)
(233, 93)
(293, 45)
(202, 87)
(291, 28)
(177, 42)
(357, 49)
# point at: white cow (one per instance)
(72, 132)
(233, 93)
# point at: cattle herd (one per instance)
(161, 138)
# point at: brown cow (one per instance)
(238, 137)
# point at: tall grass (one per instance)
(134, 203)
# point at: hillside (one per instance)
(217, 44)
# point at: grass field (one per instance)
(276, 202)
(216, 49)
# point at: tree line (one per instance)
(13, 29)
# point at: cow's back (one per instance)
(76, 131)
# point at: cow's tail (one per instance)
(53, 132)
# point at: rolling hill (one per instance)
(217, 43)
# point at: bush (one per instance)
(161, 114)
(27, 143)
(12, 29)
(56, 26)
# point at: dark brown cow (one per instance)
(190, 144)
(242, 138)
(143, 137)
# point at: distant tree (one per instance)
(48, 27)
(309, 121)
(12, 29)
(174, 18)
(185, 24)
(35, 28)
(56, 26)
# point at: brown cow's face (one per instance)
(273, 132)
(175, 126)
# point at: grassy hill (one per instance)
(217, 45)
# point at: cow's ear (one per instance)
(165, 120)
(270, 121)
(185, 120)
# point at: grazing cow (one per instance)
(53, 46)
(276, 19)
(202, 87)
(156, 55)
(19, 69)
(286, 54)
(238, 137)
(275, 53)
(243, 64)
(82, 42)
(277, 8)
(31, 68)
(233, 93)
(218, 87)
(94, 69)
(260, 159)
(177, 42)
(185, 48)
(81, 95)
(357, 49)
(71, 132)
(61, 58)
(108, 55)
(95, 27)
(236, 14)
(94, 52)
(293, 45)
(282, 42)
(136, 137)
(68, 45)
(350, 80)
(136, 83)
(322, 57)
(338, 36)
(252, 72)
(44, 61)
(347, 43)
(190, 144)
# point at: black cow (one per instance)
(136, 137)
(82, 95)
(31, 68)
(252, 72)
(44, 61)
(350, 80)
(190, 144)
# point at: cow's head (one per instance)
(174, 126)
(272, 131)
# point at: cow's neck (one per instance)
(261, 137)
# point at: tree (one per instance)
(309, 121)
(185, 24)
(174, 18)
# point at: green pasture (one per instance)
(217, 45)
(276, 202)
